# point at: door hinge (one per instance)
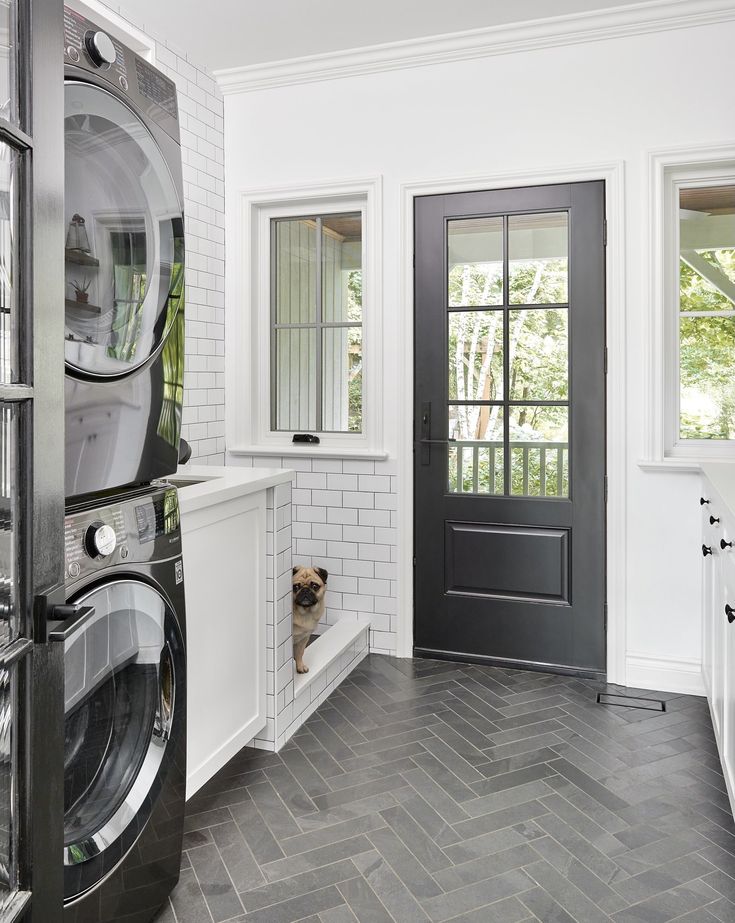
(605, 488)
(414, 562)
(604, 233)
(414, 261)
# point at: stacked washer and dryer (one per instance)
(124, 635)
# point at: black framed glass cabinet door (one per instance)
(31, 458)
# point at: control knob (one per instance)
(101, 48)
(100, 540)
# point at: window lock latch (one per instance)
(305, 437)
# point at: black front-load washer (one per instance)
(124, 259)
(124, 706)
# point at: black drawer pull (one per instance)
(713, 520)
(702, 501)
(724, 544)
(706, 549)
(730, 613)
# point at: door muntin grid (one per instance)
(508, 392)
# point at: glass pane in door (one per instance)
(476, 355)
(9, 371)
(8, 522)
(539, 355)
(8, 91)
(475, 262)
(8, 820)
(538, 263)
(476, 462)
(539, 451)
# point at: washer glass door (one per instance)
(124, 239)
(123, 672)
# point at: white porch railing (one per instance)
(538, 469)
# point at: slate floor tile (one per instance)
(429, 791)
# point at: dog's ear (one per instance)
(322, 573)
(296, 569)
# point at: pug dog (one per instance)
(309, 590)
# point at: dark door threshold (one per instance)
(460, 657)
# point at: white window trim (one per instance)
(668, 170)
(248, 424)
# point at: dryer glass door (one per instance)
(125, 236)
(124, 708)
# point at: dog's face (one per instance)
(309, 586)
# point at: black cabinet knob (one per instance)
(724, 544)
(706, 550)
(730, 613)
(713, 520)
(702, 501)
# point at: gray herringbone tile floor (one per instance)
(431, 791)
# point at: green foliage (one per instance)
(706, 352)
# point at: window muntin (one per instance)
(705, 329)
(317, 323)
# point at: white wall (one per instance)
(553, 108)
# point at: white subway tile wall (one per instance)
(344, 519)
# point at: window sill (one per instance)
(686, 465)
(307, 450)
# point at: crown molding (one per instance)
(591, 26)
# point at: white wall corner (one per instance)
(570, 29)
(664, 675)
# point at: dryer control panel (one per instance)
(131, 531)
(93, 49)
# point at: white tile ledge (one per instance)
(327, 648)
(220, 484)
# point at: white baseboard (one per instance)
(660, 673)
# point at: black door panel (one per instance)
(509, 462)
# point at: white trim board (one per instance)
(659, 673)
(550, 32)
(613, 175)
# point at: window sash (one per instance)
(678, 445)
(319, 325)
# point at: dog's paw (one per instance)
(303, 669)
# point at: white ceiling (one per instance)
(232, 33)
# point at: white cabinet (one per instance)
(718, 631)
(224, 547)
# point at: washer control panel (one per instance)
(129, 531)
(95, 50)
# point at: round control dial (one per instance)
(100, 540)
(101, 48)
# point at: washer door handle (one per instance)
(67, 619)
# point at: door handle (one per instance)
(730, 613)
(67, 619)
(437, 441)
(713, 520)
(724, 544)
(706, 549)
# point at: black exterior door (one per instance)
(31, 459)
(509, 458)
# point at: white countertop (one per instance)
(219, 484)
